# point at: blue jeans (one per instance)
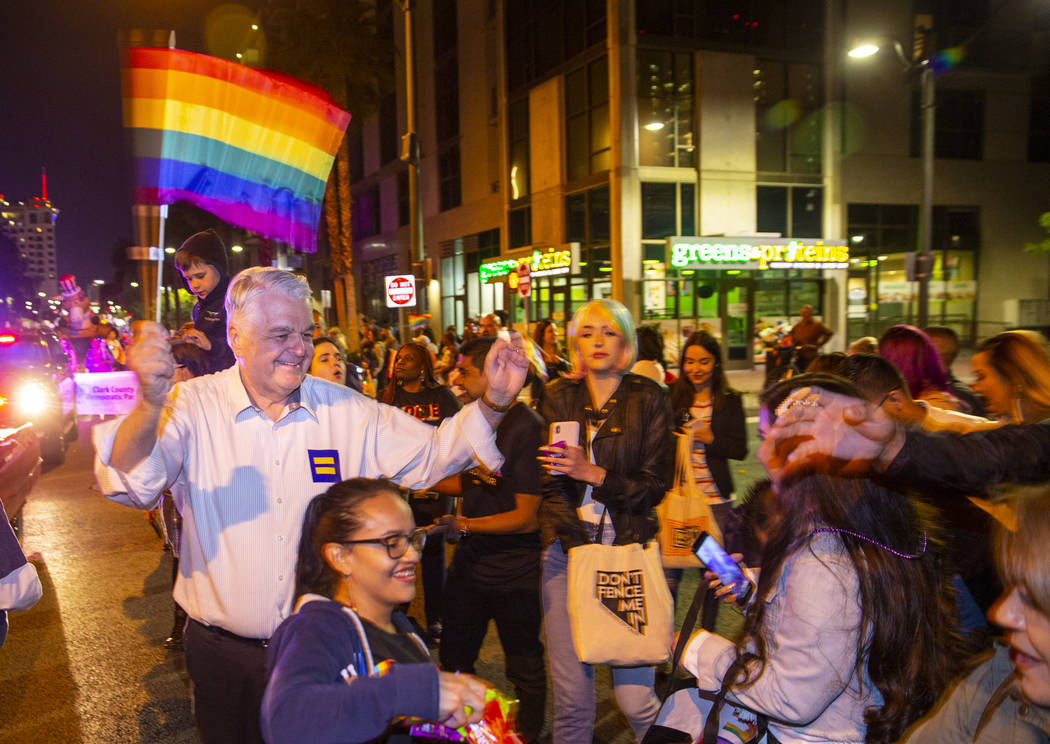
(572, 680)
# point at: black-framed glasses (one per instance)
(396, 545)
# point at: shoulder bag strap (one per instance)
(683, 634)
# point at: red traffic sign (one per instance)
(524, 279)
(401, 290)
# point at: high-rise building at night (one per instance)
(635, 149)
(32, 227)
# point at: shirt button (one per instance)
(281, 577)
(280, 538)
(280, 500)
(276, 462)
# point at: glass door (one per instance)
(737, 311)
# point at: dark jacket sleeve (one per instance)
(729, 430)
(970, 463)
(557, 514)
(639, 481)
(307, 698)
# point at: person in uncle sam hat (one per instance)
(80, 324)
(201, 260)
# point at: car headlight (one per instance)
(31, 399)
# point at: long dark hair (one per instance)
(333, 516)
(683, 391)
(426, 366)
(907, 635)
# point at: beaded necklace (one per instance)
(888, 549)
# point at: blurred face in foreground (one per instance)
(600, 343)
(990, 385)
(328, 363)
(1028, 635)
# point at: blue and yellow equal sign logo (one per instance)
(324, 465)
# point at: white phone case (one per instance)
(565, 431)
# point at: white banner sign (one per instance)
(106, 393)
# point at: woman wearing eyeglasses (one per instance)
(346, 663)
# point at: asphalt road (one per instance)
(87, 663)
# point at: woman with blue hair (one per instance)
(619, 468)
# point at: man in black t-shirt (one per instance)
(495, 573)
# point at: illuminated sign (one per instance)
(757, 253)
(562, 259)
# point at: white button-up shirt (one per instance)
(246, 481)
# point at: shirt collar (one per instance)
(237, 395)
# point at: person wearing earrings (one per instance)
(619, 468)
(346, 663)
(1013, 377)
(712, 414)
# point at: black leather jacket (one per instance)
(633, 445)
(970, 463)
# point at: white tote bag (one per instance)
(619, 604)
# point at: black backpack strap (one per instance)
(683, 634)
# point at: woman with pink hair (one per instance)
(911, 351)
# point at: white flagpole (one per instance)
(160, 255)
(160, 230)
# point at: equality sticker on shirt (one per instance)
(324, 465)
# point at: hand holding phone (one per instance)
(722, 565)
(564, 433)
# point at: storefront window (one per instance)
(879, 292)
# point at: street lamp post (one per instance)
(924, 264)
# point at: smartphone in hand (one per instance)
(564, 433)
(719, 562)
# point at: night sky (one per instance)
(60, 107)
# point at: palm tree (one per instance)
(337, 45)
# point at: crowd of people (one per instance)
(310, 484)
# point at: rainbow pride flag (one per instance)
(253, 148)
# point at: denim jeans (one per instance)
(572, 680)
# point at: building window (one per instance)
(665, 108)
(791, 211)
(788, 125)
(446, 103)
(755, 25)
(879, 293)
(667, 209)
(450, 192)
(587, 223)
(1039, 121)
(356, 150)
(543, 34)
(365, 215)
(403, 204)
(958, 125)
(587, 139)
(388, 131)
(518, 136)
(520, 227)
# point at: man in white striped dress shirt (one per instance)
(249, 447)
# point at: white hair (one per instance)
(254, 284)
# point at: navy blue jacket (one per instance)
(320, 688)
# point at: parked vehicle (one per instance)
(20, 464)
(37, 387)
